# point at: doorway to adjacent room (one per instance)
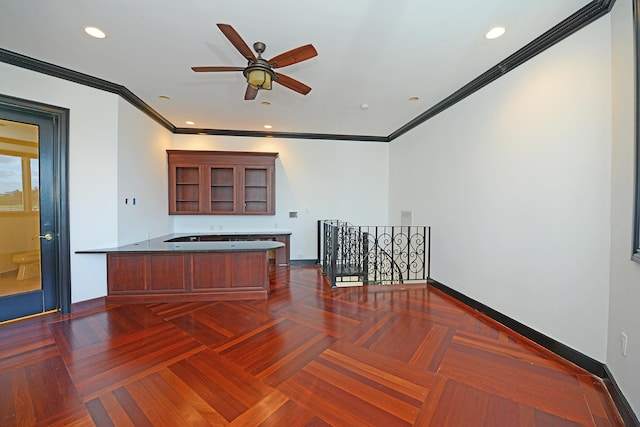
(34, 249)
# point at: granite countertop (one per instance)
(161, 244)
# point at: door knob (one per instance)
(47, 236)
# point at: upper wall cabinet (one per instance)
(221, 183)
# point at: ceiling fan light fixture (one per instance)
(259, 78)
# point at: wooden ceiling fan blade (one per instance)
(251, 93)
(292, 84)
(293, 56)
(215, 69)
(237, 41)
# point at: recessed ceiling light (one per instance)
(95, 32)
(189, 122)
(268, 126)
(494, 33)
(164, 97)
(414, 98)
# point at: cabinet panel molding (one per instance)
(127, 274)
(167, 273)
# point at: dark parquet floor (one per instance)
(308, 356)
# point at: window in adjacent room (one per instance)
(19, 183)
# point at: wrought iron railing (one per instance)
(373, 255)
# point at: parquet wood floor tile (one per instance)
(306, 356)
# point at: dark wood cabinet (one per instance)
(221, 183)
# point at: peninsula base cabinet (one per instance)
(187, 276)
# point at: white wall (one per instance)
(625, 274)
(319, 179)
(142, 175)
(102, 167)
(93, 168)
(515, 181)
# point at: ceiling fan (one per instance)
(259, 72)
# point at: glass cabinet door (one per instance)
(256, 194)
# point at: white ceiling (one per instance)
(371, 52)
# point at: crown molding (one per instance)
(33, 64)
(267, 134)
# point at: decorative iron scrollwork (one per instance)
(374, 254)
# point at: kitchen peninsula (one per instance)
(194, 267)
